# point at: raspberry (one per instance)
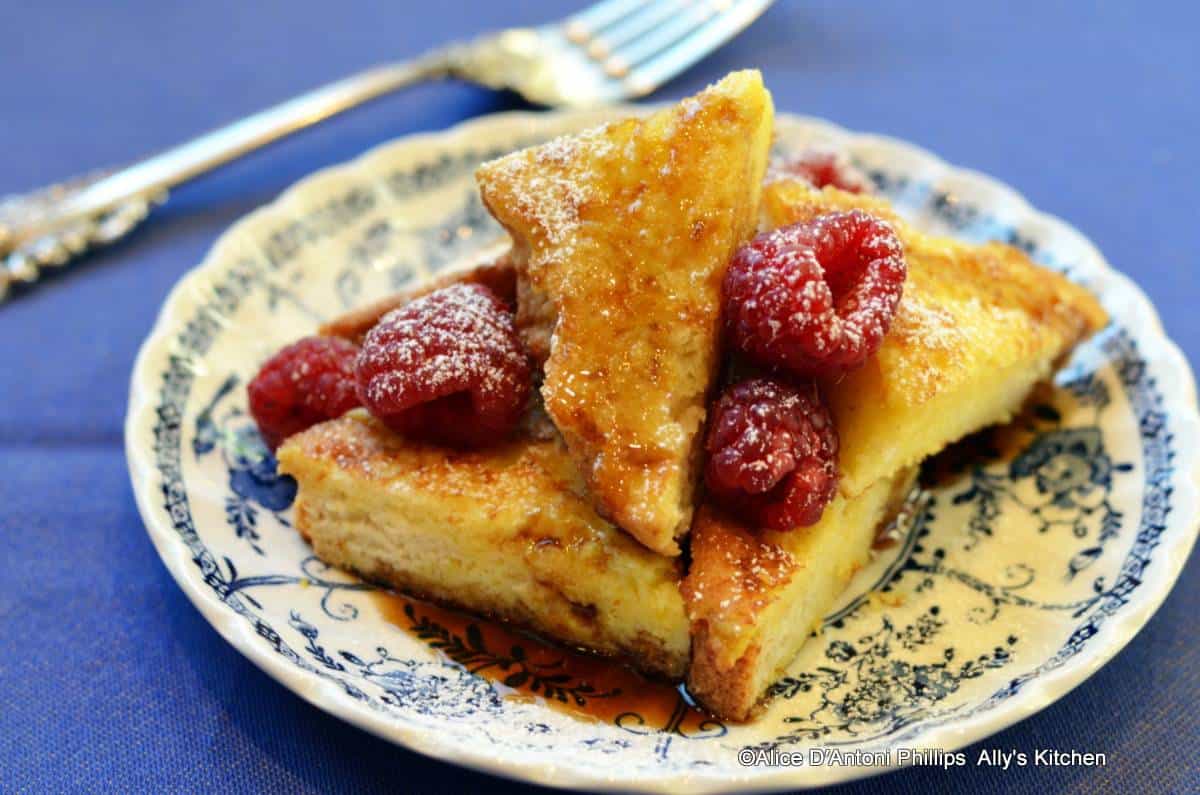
(772, 453)
(815, 298)
(307, 382)
(824, 167)
(447, 368)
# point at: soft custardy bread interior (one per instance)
(506, 532)
(621, 236)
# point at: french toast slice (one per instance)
(977, 327)
(621, 236)
(506, 532)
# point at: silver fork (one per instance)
(613, 50)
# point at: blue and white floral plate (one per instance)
(1019, 574)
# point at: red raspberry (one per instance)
(447, 367)
(307, 382)
(822, 167)
(815, 298)
(772, 453)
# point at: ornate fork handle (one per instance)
(23, 256)
(51, 226)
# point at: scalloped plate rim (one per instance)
(1179, 401)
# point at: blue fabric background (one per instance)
(111, 681)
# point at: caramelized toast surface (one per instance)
(621, 236)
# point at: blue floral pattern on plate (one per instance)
(1013, 565)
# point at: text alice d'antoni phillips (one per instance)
(925, 757)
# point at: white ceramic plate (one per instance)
(1017, 579)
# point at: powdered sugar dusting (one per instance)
(817, 297)
(921, 323)
(456, 340)
(468, 341)
(550, 182)
(772, 453)
(741, 573)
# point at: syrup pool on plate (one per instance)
(524, 667)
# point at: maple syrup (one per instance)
(524, 667)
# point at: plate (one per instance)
(1020, 572)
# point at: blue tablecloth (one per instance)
(111, 681)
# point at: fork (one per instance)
(614, 50)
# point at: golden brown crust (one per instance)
(536, 319)
(622, 235)
(994, 274)
(735, 573)
(728, 691)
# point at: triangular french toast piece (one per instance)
(977, 327)
(621, 236)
